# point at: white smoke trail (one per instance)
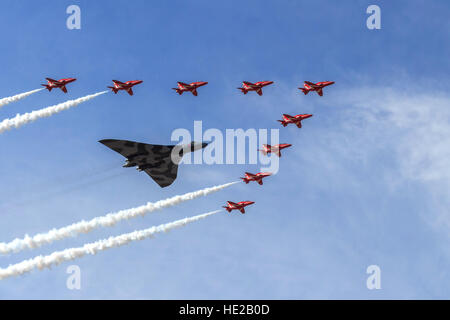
(22, 119)
(107, 220)
(17, 97)
(41, 262)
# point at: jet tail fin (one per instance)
(305, 91)
(245, 180)
(227, 208)
(283, 122)
(113, 89)
(47, 87)
(243, 90)
(178, 91)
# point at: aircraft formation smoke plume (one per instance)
(22, 119)
(107, 220)
(17, 97)
(58, 257)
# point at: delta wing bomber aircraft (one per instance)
(160, 162)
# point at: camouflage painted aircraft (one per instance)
(158, 161)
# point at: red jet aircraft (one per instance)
(192, 87)
(237, 206)
(297, 120)
(61, 83)
(267, 148)
(257, 86)
(255, 177)
(309, 86)
(127, 86)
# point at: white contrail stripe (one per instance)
(41, 262)
(17, 97)
(22, 119)
(107, 220)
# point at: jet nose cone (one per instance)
(138, 81)
(250, 202)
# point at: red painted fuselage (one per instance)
(192, 87)
(237, 206)
(127, 86)
(318, 87)
(257, 86)
(61, 83)
(267, 148)
(297, 119)
(255, 177)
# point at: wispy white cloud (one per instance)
(403, 134)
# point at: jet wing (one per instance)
(64, 89)
(130, 91)
(320, 92)
(194, 92)
(117, 81)
(52, 80)
(259, 91)
(310, 83)
(155, 160)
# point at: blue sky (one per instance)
(366, 181)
